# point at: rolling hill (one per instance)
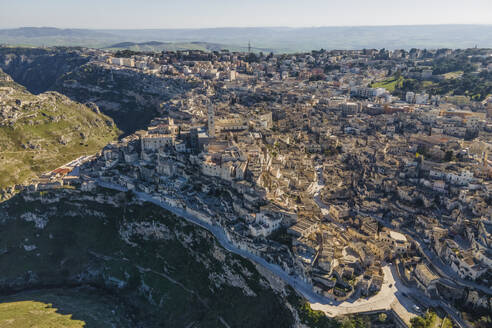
(277, 39)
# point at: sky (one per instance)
(138, 14)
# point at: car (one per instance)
(404, 294)
(391, 285)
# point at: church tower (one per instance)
(211, 121)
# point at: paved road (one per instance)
(380, 301)
(444, 270)
(391, 291)
(400, 301)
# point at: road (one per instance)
(391, 291)
(432, 258)
(444, 270)
(381, 301)
(403, 305)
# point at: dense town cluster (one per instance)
(325, 163)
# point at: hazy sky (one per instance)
(241, 13)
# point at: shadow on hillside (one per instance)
(75, 307)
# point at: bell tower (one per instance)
(211, 121)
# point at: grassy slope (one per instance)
(32, 313)
(453, 85)
(74, 307)
(390, 84)
(44, 120)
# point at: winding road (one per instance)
(391, 288)
(398, 294)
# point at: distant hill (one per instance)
(278, 39)
(50, 36)
(157, 46)
(36, 32)
(133, 44)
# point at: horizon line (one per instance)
(243, 27)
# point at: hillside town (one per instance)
(328, 164)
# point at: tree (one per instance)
(418, 322)
(252, 58)
(382, 317)
(317, 319)
(126, 53)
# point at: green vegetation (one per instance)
(126, 53)
(447, 323)
(124, 48)
(398, 85)
(390, 84)
(315, 319)
(475, 86)
(357, 321)
(428, 84)
(174, 277)
(431, 320)
(34, 314)
(40, 133)
(453, 75)
(71, 307)
(450, 64)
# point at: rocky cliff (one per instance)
(165, 272)
(131, 97)
(38, 68)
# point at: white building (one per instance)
(264, 225)
(421, 98)
(369, 92)
(410, 97)
(462, 179)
